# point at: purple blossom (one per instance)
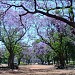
(40, 48)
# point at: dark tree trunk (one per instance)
(66, 56)
(28, 61)
(19, 61)
(69, 59)
(62, 62)
(54, 61)
(48, 62)
(42, 62)
(61, 53)
(11, 60)
(0, 60)
(66, 60)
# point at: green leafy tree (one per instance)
(5, 56)
(18, 52)
(71, 50)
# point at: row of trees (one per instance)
(16, 20)
(47, 55)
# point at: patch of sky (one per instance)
(38, 15)
(73, 4)
(20, 10)
(28, 5)
(14, 2)
(2, 46)
(30, 36)
(46, 5)
(3, 7)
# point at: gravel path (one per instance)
(37, 70)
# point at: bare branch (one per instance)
(35, 4)
(58, 18)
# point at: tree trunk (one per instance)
(42, 62)
(66, 57)
(29, 61)
(11, 60)
(54, 61)
(61, 55)
(0, 60)
(48, 62)
(66, 60)
(62, 61)
(19, 61)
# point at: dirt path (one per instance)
(37, 70)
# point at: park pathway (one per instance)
(37, 70)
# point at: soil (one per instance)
(37, 70)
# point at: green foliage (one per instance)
(6, 54)
(50, 55)
(5, 57)
(55, 35)
(57, 11)
(70, 9)
(27, 57)
(38, 40)
(71, 49)
(56, 46)
(18, 51)
(22, 63)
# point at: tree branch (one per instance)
(57, 17)
(35, 4)
(47, 14)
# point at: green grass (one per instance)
(72, 63)
(21, 63)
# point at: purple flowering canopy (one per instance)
(45, 7)
(41, 48)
